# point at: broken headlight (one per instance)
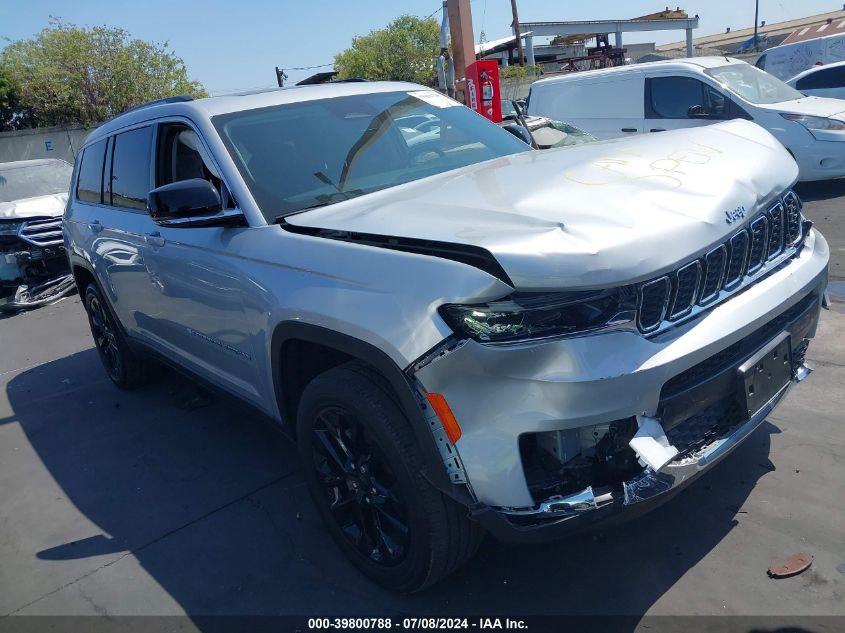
(524, 315)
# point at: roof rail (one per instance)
(175, 99)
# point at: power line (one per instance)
(432, 13)
(311, 67)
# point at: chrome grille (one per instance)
(775, 215)
(42, 232)
(686, 285)
(738, 246)
(654, 295)
(714, 274)
(792, 206)
(770, 238)
(759, 229)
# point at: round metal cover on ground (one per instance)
(795, 564)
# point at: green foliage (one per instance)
(518, 72)
(12, 115)
(83, 75)
(406, 50)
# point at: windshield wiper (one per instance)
(323, 201)
(316, 205)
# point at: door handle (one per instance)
(154, 239)
(629, 129)
(95, 226)
(657, 129)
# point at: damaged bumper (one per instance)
(682, 392)
(563, 515)
(33, 263)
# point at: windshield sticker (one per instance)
(432, 97)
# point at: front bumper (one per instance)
(558, 517)
(499, 393)
(820, 160)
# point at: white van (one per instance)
(790, 59)
(669, 95)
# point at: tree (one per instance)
(12, 114)
(406, 50)
(73, 75)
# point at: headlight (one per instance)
(10, 228)
(815, 122)
(523, 316)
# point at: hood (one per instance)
(814, 106)
(588, 216)
(52, 205)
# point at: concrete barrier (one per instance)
(49, 142)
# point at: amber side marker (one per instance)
(447, 418)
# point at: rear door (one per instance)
(111, 196)
(672, 99)
(127, 181)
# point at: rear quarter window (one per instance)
(89, 185)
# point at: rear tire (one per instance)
(122, 365)
(363, 468)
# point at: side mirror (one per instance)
(189, 203)
(697, 112)
(520, 132)
(519, 106)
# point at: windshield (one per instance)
(752, 84)
(301, 155)
(30, 181)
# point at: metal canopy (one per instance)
(608, 26)
(590, 27)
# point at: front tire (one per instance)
(122, 365)
(363, 468)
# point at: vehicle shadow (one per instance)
(209, 502)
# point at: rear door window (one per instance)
(130, 169)
(89, 185)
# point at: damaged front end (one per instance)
(33, 265)
(703, 414)
(618, 474)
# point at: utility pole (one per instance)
(756, 22)
(463, 43)
(281, 76)
(517, 33)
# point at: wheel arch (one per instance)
(301, 351)
(83, 276)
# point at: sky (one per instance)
(235, 45)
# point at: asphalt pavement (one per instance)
(143, 503)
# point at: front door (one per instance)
(199, 285)
(675, 101)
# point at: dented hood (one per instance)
(588, 216)
(38, 207)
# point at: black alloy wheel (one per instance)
(122, 365)
(361, 489)
(364, 470)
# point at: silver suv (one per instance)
(463, 334)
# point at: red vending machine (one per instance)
(483, 93)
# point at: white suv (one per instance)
(462, 333)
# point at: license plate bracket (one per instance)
(765, 374)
